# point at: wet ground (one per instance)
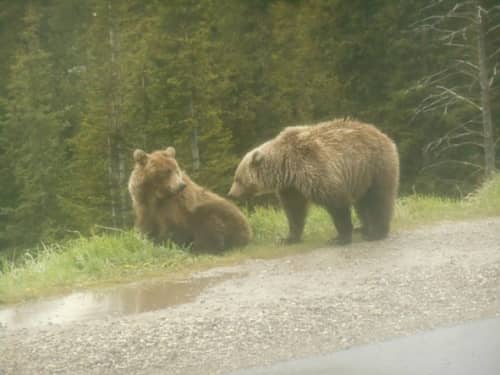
(264, 312)
(122, 300)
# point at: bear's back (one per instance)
(335, 130)
(341, 137)
(341, 155)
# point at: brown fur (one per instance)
(169, 205)
(335, 164)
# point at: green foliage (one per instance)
(32, 137)
(485, 199)
(88, 82)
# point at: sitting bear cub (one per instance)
(169, 205)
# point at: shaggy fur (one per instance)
(335, 164)
(169, 205)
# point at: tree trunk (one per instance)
(111, 182)
(117, 157)
(122, 182)
(488, 129)
(195, 151)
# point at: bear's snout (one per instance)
(234, 192)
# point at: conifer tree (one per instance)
(192, 88)
(116, 111)
(32, 137)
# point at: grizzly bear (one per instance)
(168, 205)
(335, 164)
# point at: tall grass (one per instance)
(119, 257)
(85, 261)
(418, 209)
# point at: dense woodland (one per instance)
(84, 83)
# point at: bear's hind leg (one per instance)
(295, 206)
(378, 206)
(342, 219)
(380, 220)
(209, 236)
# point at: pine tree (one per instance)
(32, 137)
(191, 88)
(9, 27)
(118, 110)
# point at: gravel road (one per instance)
(326, 300)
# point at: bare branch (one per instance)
(460, 97)
(109, 228)
(433, 79)
(468, 63)
(477, 122)
(431, 103)
(458, 45)
(452, 161)
(432, 4)
(465, 134)
(458, 145)
(481, 10)
(491, 29)
(449, 141)
(493, 75)
(472, 76)
(494, 53)
(459, 136)
(445, 98)
(462, 16)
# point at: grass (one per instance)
(415, 210)
(124, 256)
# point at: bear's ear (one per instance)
(257, 157)
(140, 157)
(170, 151)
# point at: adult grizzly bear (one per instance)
(334, 164)
(169, 205)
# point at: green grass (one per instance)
(416, 210)
(124, 256)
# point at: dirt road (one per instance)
(319, 302)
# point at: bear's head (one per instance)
(248, 178)
(160, 172)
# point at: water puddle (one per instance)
(123, 300)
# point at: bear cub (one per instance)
(168, 205)
(335, 164)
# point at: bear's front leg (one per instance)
(295, 206)
(145, 223)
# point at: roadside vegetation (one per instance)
(123, 256)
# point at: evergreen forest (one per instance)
(85, 82)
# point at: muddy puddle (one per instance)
(123, 300)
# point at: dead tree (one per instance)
(466, 30)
